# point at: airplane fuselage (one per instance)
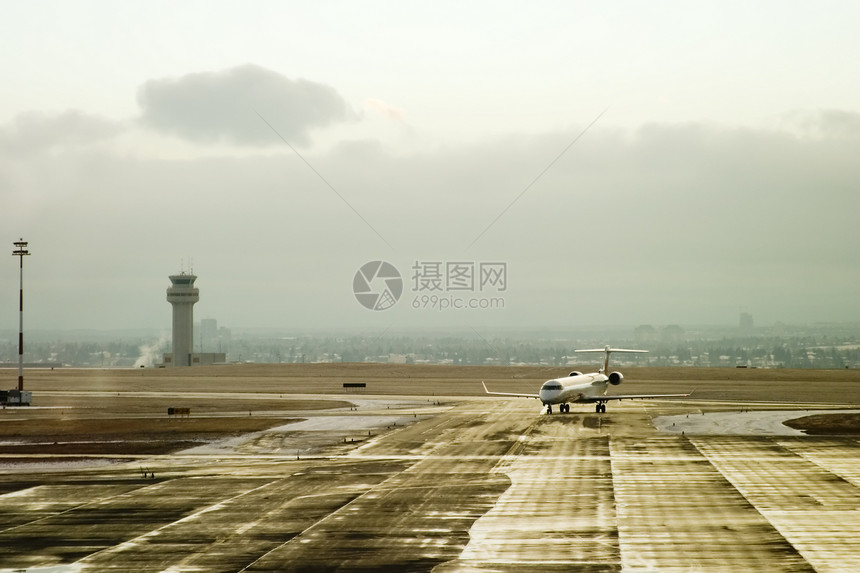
(572, 389)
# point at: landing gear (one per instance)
(600, 408)
(562, 408)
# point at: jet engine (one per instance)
(616, 378)
(575, 373)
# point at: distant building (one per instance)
(208, 334)
(199, 359)
(213, 338)
(645, 334)
(397, 359)
(746, 322)
(673, 334)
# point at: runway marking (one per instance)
(21, 493)
(834, 459)
(515, 451)
(666, 507)
(413, 497)
(157, 531)
(815, 510)
(300, 537)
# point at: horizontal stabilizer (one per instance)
(607, 349)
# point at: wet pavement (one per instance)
(482, 485)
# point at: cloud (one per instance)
(825, 123)
(36, 131)
(389, 111)
(668, 223)
(211, 106)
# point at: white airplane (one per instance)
(584, 388)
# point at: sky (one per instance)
(517, 164)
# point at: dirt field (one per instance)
(389, 379)
(828, 424)
(89, 412)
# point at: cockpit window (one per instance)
(552, 386)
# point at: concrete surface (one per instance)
(480, 485)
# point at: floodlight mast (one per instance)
(20, 252)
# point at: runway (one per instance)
(473, 485)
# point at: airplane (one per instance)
(581, 388)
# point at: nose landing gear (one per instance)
(600, 408)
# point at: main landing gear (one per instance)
(563, 408)
(600, 408)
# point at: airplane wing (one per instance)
(607, 397)
(508, 393)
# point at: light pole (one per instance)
(20, 251)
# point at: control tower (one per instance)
(182, 295)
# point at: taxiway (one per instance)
(473, 485)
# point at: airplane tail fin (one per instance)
(608, 350)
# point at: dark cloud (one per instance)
(209, 106)
(35, 131)
(830, 123)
